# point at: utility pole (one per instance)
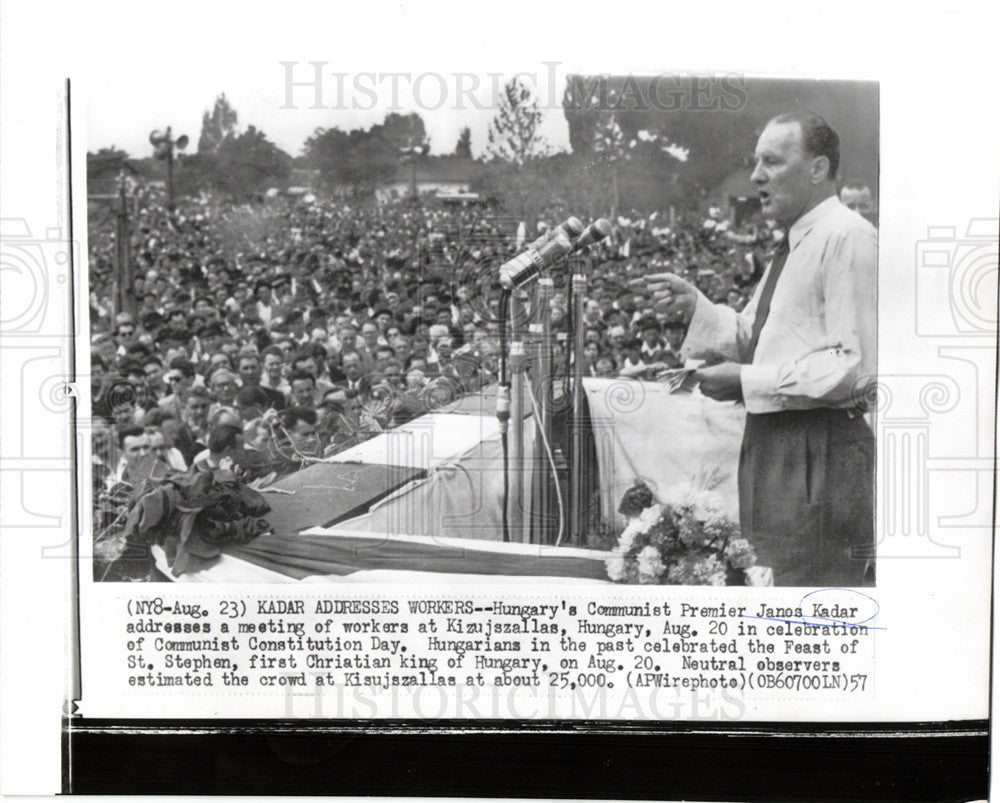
(163, 148)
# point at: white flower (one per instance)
(628, 535)
(615, 566)
(648, 517)
(650, 564)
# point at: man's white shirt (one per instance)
(817, 347)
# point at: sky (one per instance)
(368, 64)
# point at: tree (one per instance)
(215, 127)
(359, 159)
(513, 134)
(107, 163)
(248, 164)
(403, 130)
(463, 148)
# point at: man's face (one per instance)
(348, 338)
(272, 366)
(248, 412)
(153, 373)
(125, 334)
(303, 393)
(352, 367)
(303, 435)
(135, 448)
(249, 371)
(197, 409)
(307, 364)
(675, 337)
(124, 413)
(369, 333)
(604, 367)
(224, 389)
(858, 199)
(106, 350)
(157, 443)
(783, 173)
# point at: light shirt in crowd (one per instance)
(817, 348)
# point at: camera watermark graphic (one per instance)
(956, 280)
(39, 266)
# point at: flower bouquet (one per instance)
(687, 539)
(192, 515)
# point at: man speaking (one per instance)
(801, 357)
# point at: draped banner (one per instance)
(643, 431)
(325, 555)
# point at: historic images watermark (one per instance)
(319, 85)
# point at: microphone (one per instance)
(571, 227)
(595, 232)
(534, 259)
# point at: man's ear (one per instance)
(819, 169)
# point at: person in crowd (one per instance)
(857, 196)
(223, 385)
(180, 379)
(158, 446)
(249, 368)
(224, 441)
(303, 390)
(135, 464)
(274, 366)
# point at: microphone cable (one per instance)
(552, 462)
(503, 412)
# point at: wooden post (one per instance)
(124, 286)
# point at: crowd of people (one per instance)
(269, 334)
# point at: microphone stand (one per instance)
(543, 391)
(518, 363)
(576, 474)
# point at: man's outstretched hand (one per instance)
(720, 382)
(672, 295)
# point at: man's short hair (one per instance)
(252, 396)
(184, 365)
(855, 184)
(222, 437)
(292, 415)
(133, 431)
(299, 375)
(818, 137)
